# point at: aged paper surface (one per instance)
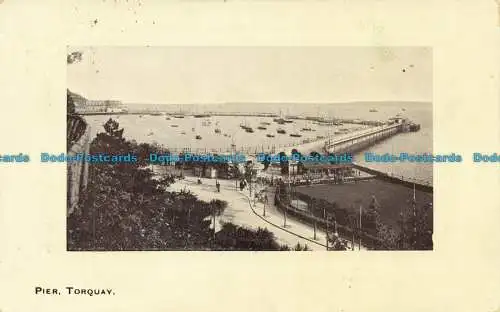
(461, 271)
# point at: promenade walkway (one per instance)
(243, 212)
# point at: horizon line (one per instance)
(284, 103)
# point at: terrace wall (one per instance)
(78, 139)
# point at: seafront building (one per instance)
(83, 105)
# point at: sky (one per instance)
(197, 75)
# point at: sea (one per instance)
(225, 134)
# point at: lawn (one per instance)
(391, 197)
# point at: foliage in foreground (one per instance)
(127, 208)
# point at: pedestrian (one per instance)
(217, 184)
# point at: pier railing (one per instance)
(362, 140)
(246, 150)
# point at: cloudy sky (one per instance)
(164, 75)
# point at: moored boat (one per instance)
(280, 121)
(201, 115)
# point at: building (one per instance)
(98, 106)
(321, 171)
(83, 105)
(115, 110)
(208, 172)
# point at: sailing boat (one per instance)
(295, 134)
(280, 120)
(307, 127)
(180, 114)
(288, 120)
(246, 127)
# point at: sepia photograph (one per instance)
(249, 148)
(249, 155)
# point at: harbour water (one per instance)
(179, 133)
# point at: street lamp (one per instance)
(360, 225)
(265, 202)
(336, 234)
(326, 225)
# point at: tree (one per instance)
(300, 247)
(337, 244)
(283, 163)
(234, 237)
(234, 171)
(74, 57)
(298, 156)
(265, 161)
(334, 158)
(388, 238)
(125, 208)
(416, 231)
(315, 154)
(371, 218)
(249, 172)
(71, 58)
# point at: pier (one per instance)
(362, 140)
(332, 143)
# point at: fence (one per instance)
(368, 241)
(420, 185)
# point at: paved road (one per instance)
(242, 213)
